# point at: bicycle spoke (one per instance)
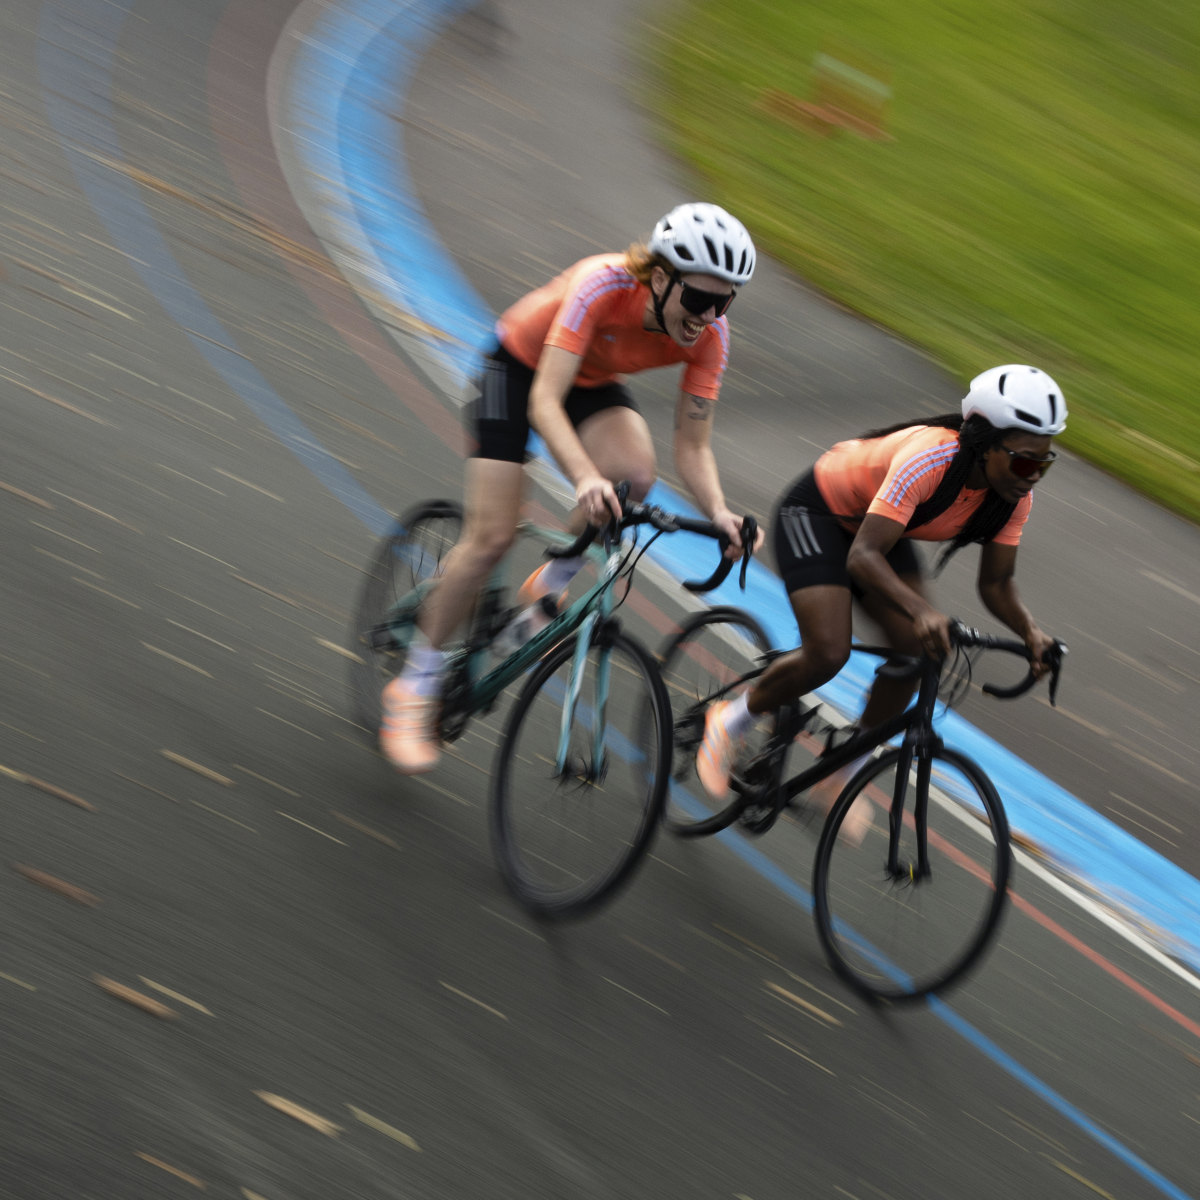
(700, 664)
(565, 838)
(904, 932)
(412, 554)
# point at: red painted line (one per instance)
(1096, 958)
(239, 54)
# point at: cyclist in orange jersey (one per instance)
(557, 368)
(845, 529)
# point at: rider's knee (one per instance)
(824, 659)
(489, 546)
(641, 479)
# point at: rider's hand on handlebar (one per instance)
(1040, 644)
(932, 629)
(731, 526)
(597, 500)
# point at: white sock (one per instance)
(738, 717)
(423, 670)
(558, 573)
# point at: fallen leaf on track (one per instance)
(397, 1135)
(179, 996)
(137, 999)
(54, 884)
(49, 788)
(158, 1162)
(206, 772)
(299, 1113)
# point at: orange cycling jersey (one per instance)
(596, 309)
(891, 475)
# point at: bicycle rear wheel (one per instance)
(413, 553)
(564, 841)
(902, 933)
(699, 665)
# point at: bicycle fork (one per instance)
(920, 869)
(592, 770)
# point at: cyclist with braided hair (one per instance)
(561, 352)
(845, 529)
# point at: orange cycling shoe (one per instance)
(408, 732)
(718, 752)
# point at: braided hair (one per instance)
(976, 436)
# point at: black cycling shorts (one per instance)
(498, 416)
(811, 544)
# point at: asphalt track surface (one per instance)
(203, 425)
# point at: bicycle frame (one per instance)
(569, 751)
(915, 723)
(473, 688)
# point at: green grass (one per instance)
(1038, 200)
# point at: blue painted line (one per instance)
(368, 56)
(1062, 1106)
(76, 47)
(346, 79)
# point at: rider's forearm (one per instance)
(550, 421)
(1003, 602)
(697, 467)
(870, 570)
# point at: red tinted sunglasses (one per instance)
(1025, 466)
(697, 301)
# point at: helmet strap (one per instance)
(660, 301)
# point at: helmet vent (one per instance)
(1028, 417)
(1053, 407)
(1000, 383)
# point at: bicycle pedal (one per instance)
(758, 818)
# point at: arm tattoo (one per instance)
(700, 408)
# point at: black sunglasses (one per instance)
(1025, 466)
(697, 301)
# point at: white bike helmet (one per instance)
(704, 239)
(1017, 397)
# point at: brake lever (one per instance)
(611, 532)
(1055, 658)
(749, 538)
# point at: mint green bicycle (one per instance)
(583, 763)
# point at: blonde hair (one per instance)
(640, 262)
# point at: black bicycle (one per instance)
(906, 909)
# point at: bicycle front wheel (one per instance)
(565, 838)
(909, 908)
(411, 554)
(700, 664)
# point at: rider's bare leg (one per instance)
(889, 697)
(823, 614)
(492, 508)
